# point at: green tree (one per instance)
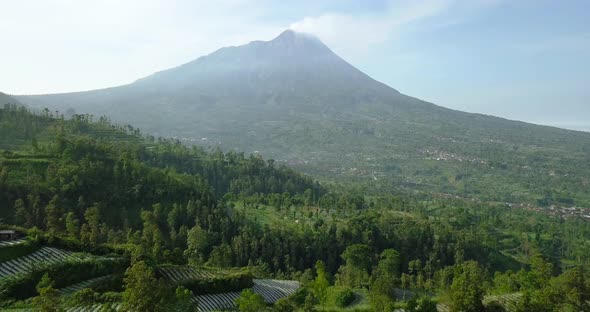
(384, 280)
(355, 271)
(183, 300)
(52, 216)
(84, 297)
(49, 299)
(21, 215)
(197, 242)
(309, 303)
(284, 305)
(221, 256)
(425, 304)
(525, 303)
(321, 283)
(540, 273)
(72, 225)
(249, 301)
(90, 233)
(143, 293)
(344, 297)
(495, 306)
(575, 289)
(467, 288)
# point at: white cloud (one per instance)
(351, 35)
(71, 45)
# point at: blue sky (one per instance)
(520, 59)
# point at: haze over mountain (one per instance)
(293, 99)
(5, 98)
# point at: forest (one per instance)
(133, 207)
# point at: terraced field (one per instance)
(85, 284)
(270, 290)
(508, 301)
(12, 242)
(45, 256)
(96, 308)
(180, 274)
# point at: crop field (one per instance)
(508, 301)
(180, 274)
(46, 256)
(85, 284)
(270, 290)
(96, 308)
(12, 242)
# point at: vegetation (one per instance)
(249, 301)
(143, 292)
(49, 298)
(180, 222)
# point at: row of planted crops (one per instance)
(19, 275)
(72, 272)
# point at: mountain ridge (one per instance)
(293, 99)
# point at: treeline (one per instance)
(103, 176)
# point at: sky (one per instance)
(520, 59)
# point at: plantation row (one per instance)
(96, 308)
(273, 290)
(13, 242)
(178, 274)
(270, 290)
(37, 259)
(85, 284)
(508, 301)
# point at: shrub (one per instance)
(86, 296)
(15, 251)
(300, 295)
(249, 301)
(284, 305)
(495, 306)
(220, 284)
(344, 297)
(63, 274)
(75, 245)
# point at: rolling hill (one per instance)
(7, 99)
(294, 100)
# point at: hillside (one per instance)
(114, 218)
(7, 99)
(292, 99)
(79, 164)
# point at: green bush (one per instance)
(15, 251)
(299, 296)
(63, 274)
(113, 283)
(86, 296)
(76, 245)
(220, 284)
(344, 297)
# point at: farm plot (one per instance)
(45, 256)
(96, 308)
(270, 290)
(85, 284)
(508, 301)
(12, 242)
(179, 274)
